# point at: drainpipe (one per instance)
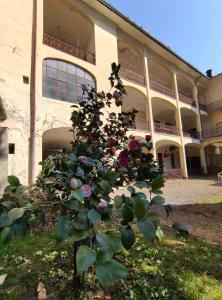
(33, 99)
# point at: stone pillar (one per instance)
(195, 96)
(149, 111)
(3, 157)
(179, 121)
(203, 160)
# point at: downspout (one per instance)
(32, 159)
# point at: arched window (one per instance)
(63, 81)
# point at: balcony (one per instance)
(154, 85)
(192, 134)
(187, 99)
(203, 106)
(167, 129)
(68, 48)
(211, 133)
(132, 76)
(140, 125)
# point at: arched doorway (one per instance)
(213, 154)
(193, 160)
(56, 139)
(168, 157)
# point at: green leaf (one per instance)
(127, 213)
(13, 180)
(77, 194)
(111, 176)
(106, 242)
(158, 200)
(72, 205)
(104, 256)
(94, 216)
(16, 213)
(157, 182)
(85, 258)
(105, 186)
(127, 237)
(109, 272)
(5, 220)
(64, 228)
(82, 221)
(104, 275)
(147, 228)
(9, 189)
(141, 185)
(118, 201)
(181, 228)
(8, 204)
(7, 234)
(131, 189)
(140, 207)
(78, 235)
(159, 234)
(20, 229)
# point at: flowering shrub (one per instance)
(79, 185)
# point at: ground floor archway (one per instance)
(193, 160)
(213, 154)
(56, 139)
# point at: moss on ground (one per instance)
(178, 269)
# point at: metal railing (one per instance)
(68, 48)
(216, 132)
(187, 99)
(202, 106)
(154, 85)
(140, 125)
(132, 76)
(163, 128)
(192, 134)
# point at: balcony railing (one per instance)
(192, 134)
(140, 125)
(132, 76)
(186, 99)
(167, 129)
(211, 133)
(154, 85)
(68, 48)
(203, 106)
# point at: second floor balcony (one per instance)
(212, 133)
(132, 76)
(68, 48)
(191, 134)
(156, 86)
(186, 99)
(140, 125)
(166, 129)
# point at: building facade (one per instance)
(48, 48)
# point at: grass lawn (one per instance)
(178, 269)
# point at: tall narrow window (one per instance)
(63, 81)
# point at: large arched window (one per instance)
(63, 81)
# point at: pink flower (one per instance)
(87, 191)
(148, 137)
(82, 159)
(74, 183)
(134, 144)
(103, 204)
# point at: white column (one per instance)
(179, 121)
(149, 111)
(203, 160)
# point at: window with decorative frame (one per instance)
(63, 80)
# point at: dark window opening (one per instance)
(172, 158)
(11, 148)
(26, 79)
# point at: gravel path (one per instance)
(190, 191)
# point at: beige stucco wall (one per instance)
(15, 53)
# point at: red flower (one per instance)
(112, 150)
(112, 142)
(134, 144)
(148, 137)
(123, 159)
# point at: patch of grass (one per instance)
(178, 269)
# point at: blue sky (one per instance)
(192, 28)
